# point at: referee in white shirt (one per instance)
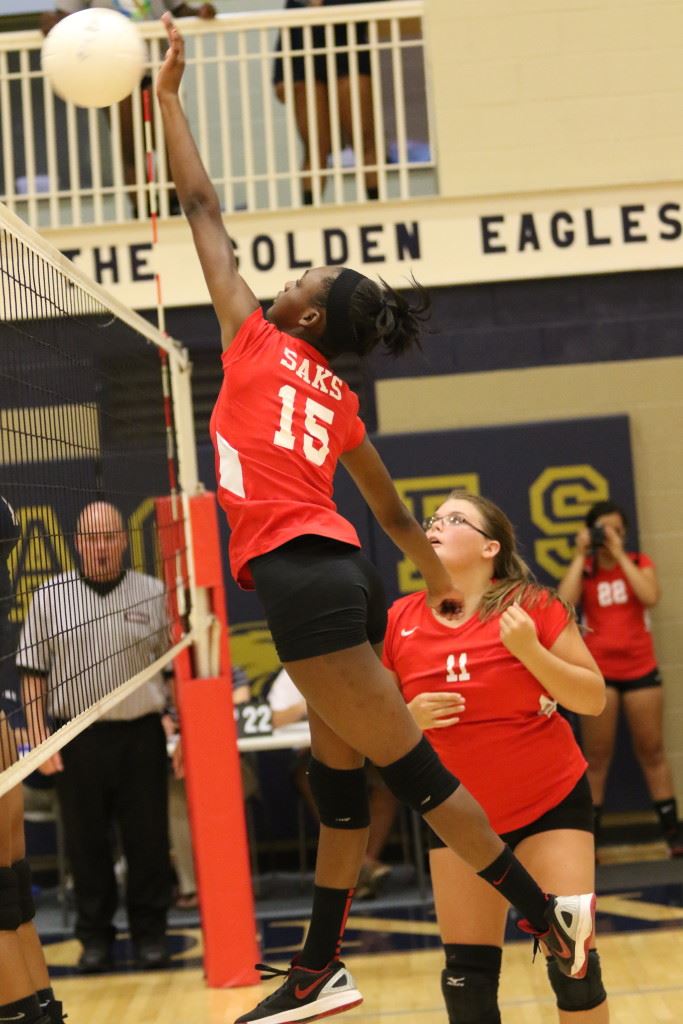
(86, 633)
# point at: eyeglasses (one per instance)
(453, 519)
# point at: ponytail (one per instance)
(362, 315)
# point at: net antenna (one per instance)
(90, 435)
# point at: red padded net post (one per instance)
(212, 767)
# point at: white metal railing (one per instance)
(64, 166)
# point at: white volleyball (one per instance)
(93, 58)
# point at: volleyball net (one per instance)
(97, 457)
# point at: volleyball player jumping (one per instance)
(282, 421)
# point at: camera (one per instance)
(598, 536)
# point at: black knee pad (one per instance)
(23, 872)
(573, 994)
(10, 908)
(340, 794)
(470, 984)
(419, 779)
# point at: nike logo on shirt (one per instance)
(408, 632)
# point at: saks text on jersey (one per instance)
(322, 379)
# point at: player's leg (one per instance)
(366, 127)
(142, 811)
(306, 131)
(84, 788)
(598, 735)
(358, 698)
(563, 861)
(318, 983)
(644, 709)
(18, 999)
(471, 917)
(31, 946)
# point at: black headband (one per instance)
(339, 329)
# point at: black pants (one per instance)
(117, 772)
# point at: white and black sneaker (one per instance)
(571, 922)
(305, 995)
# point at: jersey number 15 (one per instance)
(315, 415)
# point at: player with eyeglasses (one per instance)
(451, 519)
(485, 689)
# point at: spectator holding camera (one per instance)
(616, 588)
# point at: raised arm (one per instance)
(567, 671)
(571, 586)
(232, 298)
(372, 479)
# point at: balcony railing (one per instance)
(65, 166)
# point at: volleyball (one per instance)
(93, 58)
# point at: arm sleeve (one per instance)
(551, 617)
(33, 653)
(253, 334)
(355, 435)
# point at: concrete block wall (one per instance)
(555, 94)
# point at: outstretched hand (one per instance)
(171, 71)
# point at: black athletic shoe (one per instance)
(305, 995)
(54, 1012)
(95, 958)
(571, 922)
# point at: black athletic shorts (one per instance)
(646, 682)
(319, 596)
(342, 39)
(575, 811)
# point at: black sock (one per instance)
(45, 995)
(50, 1005)
(307, 197)
(26, 1010)
(372, 193)
(597, 822)
(328, 920)
(515, 883)
(667, 812)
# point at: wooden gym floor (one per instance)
(392, 950)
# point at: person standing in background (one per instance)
(116, 770)
(342, 62)
(616, 588)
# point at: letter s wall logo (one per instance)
(558, 502)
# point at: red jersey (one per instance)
(281, 421)
(618, 625)
(511, 748)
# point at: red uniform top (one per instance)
(281, 421)
(618, 625)
(511, 748)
